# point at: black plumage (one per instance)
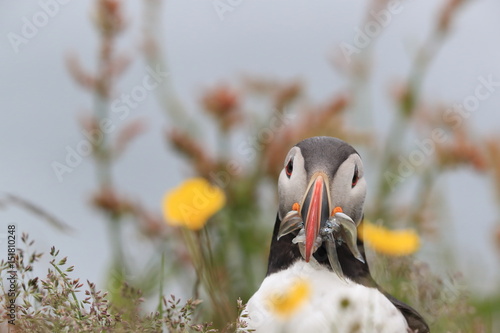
(329, 153)
(284, 253)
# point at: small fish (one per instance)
(339, 228)
(291, 222)
(348, 233)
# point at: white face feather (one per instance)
(350, 198)
(291, 190)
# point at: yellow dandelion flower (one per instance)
(192, 203)
(285, 302)
(390, 242)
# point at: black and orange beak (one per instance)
(315, 211)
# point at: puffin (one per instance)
(318, 279)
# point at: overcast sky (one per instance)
(283, 39)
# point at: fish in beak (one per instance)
(319, 224)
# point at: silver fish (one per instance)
(339, 228)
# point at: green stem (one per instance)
(209, 246)
(393, 146)
(196, 286)
(206, 270)
(80, 315)
(399, 127)
(195, 257)
(222, 144)
(205, 273)
(425, 187)
(102, 153)
(116, 241)
(155, 56)
(162, 277)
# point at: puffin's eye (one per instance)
(289, 168)
(355, 177)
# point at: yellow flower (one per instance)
(391, 242)
(285, 302)
(192, 203)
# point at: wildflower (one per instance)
(390, 242)
(223, 103)
(192, 203)
(286, 302)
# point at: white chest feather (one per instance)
(309, 298)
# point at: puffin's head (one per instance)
(321, 176)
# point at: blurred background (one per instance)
(108, 105)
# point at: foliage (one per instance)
(50, 304)
(257, 120)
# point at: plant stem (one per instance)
(205, 274)
(162, 277)
(406, 110)
(80, 315)
(116, 243)
(209, 246)
(155, 56)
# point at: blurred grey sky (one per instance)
(292, 39)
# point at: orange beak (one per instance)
(315, 212)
